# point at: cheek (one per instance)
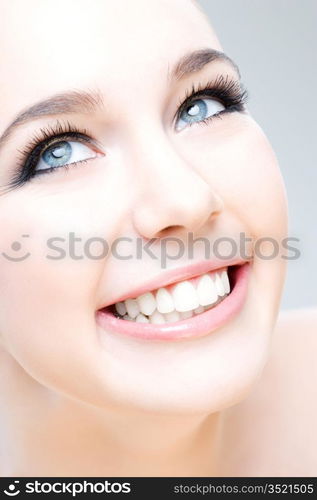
(47, 305)
(257, 195)
(55, 285)
(237, 160)
(256, 187)
(234, 156)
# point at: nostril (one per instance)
(169, 229)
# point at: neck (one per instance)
(45, 433)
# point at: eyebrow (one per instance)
(67, 102)
(196, 60)
(87, 102)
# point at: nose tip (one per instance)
(184, 208)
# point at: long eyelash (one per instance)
(229, 91)
(30, 154)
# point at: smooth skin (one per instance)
(78, 401)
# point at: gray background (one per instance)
(274, 43)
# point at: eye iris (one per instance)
(57, 154)
(195, 112)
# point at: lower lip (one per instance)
(196, 326)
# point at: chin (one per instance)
(197, 376)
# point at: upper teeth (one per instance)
(177, 301)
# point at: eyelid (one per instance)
(223, 88)
(68, 138)
(78, 147)
(40, 149)
(56, 131)
(76, 136)
(42, 139)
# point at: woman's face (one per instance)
(147, 167)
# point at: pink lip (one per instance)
(196, 326)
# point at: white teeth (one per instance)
(157, 317)
(199, 310)
(219, 285)
(206, 291)
(179, 302)
(185, 296)
(127, 317)
(147, 303)
(132, 307)
(141, 319)
(164, 301)
(172, 316)
(120, 308)
(186, 314)
(225, 281)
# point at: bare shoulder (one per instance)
(278, 419)
(294, 344)
(289, 388)
(298, 322)
(293, 361)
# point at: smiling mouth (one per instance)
(176, 302)
(189, 307)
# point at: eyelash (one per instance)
(226, 90)
(30, 155)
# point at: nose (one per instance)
(172, 195)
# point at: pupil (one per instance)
(58, 154)
(193, 110)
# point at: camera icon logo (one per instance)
(12, 490)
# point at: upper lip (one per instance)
(171, 276)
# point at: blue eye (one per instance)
(63, 153)
(199, 110)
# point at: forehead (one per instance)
(52, 45)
